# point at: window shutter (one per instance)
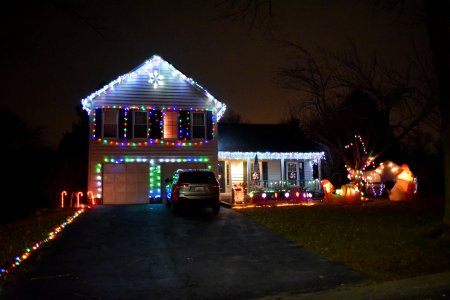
(209, 125)
(98, 123)
(121, 123)
(129, 125)
(184, 123)
(155, 117)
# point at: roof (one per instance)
(154, 82)
(263, 138)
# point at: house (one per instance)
(145, 125)
(267, 157)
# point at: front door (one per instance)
(292, 173)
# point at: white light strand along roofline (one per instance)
(154, 60)
(270, 155)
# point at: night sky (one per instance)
(55, 53)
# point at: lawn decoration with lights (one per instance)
(19, 260)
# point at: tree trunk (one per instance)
(438, 23)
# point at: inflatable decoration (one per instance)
(405, 187)
(348, 193)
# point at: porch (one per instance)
(251, 177)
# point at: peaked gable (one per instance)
(155, 82)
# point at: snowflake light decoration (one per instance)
(155, 78)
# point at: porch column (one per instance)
(249, 177)
(319, 169)
(319, 172)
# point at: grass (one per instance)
(382, 239)
(21, 234)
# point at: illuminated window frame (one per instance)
(198, 126)
(107, 127)
(135, 125)
(170, 123)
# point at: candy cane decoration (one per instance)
(91, 194)
(63, 193)
(79, 194)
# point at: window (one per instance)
(140, 125)
(110, 121)
(171, 125)
(292, 171)
(198, 125)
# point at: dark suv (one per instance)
(193, 187)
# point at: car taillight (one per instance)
(179, 186)
(215, 187)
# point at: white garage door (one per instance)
(125, 183)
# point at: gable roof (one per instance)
(263, 138)
(158, 82)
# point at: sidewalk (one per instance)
(433, 286)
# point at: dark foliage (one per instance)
(70, 167)
(27, 169)
(35, 175)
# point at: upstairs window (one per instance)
(198, 125)
(110, 122)
(140, 125)
(171, 125)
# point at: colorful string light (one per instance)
(18, 260)
(154, 170)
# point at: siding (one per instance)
(307, 165)
(274, 172)
(175, 91)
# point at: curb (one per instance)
(433, 286)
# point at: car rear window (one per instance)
(197, 177)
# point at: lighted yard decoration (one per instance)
(287, 196)
(19, 260)
(63, 193)
(348, 193)
(405, 187)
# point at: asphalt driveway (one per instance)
(146, 252)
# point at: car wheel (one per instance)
(216, 208)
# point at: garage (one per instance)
(125, 183)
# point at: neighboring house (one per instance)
(284, 158)
(143, 126)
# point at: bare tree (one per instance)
(231, 117)
(354, 109)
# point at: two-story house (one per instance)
(143, 126)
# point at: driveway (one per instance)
(146, 252)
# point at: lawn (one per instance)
(20, 235)
(382, 239)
